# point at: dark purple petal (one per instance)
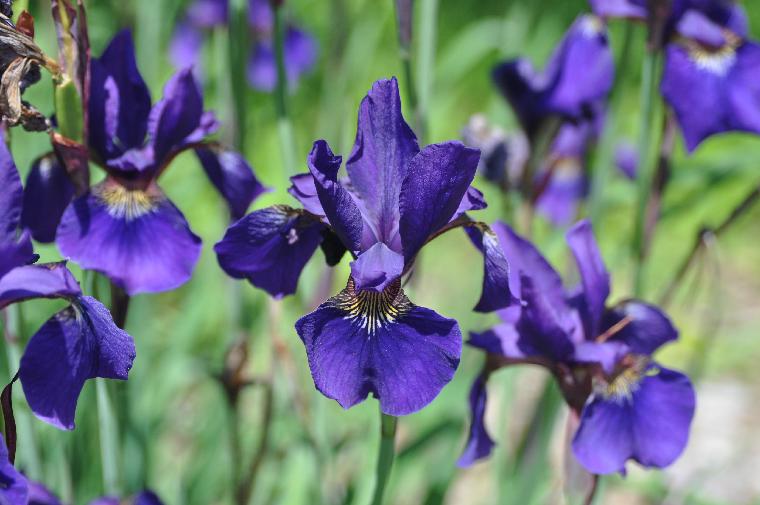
(384, 147)
(270, 248)
(496, 293)
(139, 239)
(300, 54)
(594, 276)
(437, 180)
(106, 500)
(619, 8)
(119, 100)
(606, 354)
(366, 342)
(304, 190)
(744, 88)
(16, 253)
(13, 484)
(502, 339)
(232, 176)
(565, 190)
(47, 194)
(147, 498)
(40, 495)
(649, 423)
(642, 327)
(11, 196)
(208, 13)
(338, 205)
(479, 443)
(52, 280)
(377, 267)
(473, 200)
(262, 67)
(185, 46)
(79, 343)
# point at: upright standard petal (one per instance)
(384, 147)
(47, 194)
(14, 486)
(363, 342)
(497, 290)
(594, 276)
(270, 248)
(119, 102)
(436, 181)
(139, 239)
(79, 343)
(377, 267)
(338, 204)
(11, 196)
(52, 280)
(479, 443)
(232, 176)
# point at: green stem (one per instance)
(284, 126)
(108, 440)
(646, 167)
(426, 65)
(385, 456)
(237, 46)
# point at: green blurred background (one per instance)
(172, 412)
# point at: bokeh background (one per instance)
(172, 413)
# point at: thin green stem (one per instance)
(646, 166)
(284, 126)
(238, 44)
(426, 64)
(108, 440)
(385, 456)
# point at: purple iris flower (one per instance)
(630, 407)
(370, 338)
(579, 74)
(78, 343)
(125, 226)
(300, 48)
(14, 488)
(145, 497)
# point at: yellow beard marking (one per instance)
(372, 310)
(622, 387)
(717, 61)
(124, 203)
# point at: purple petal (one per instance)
(479, 443)
(15, 254)
(40, 495)
(606, 354)
(79, 343)
(208, 13)
(119, 102)
(300, 54)
(437, 180)
(260, 16)
(47, 194)
(565, 190)
(262, 67)
(502, 339)
(384, 147)
(185, 46)
(14, 488)
(11, 196)
(594, 276)
(106, 500)
(496, 293)
(365, 342)
(52, 280)
(627, 160)
(645, 329)
(270, 248)
(139, 239)
(695, 25)
(232, 176)
(473, 200)
(377, 267)
(604, 441)
(147, 498)
(632, 9)
(304, 190)
(338, 205)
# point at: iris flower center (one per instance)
(717, 61)
(626, 382)
(124, 203)
(372, 309)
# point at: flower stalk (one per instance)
(284, 126)
(385, 456)
(108, 440)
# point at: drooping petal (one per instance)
(11, 196)
(232, 176)
(363, 342)
(338, 205)
(52, 280)
(384, 147)
(47, 193)
(604, 440)
(497, 292)
(119, 102)
(437, 180)
(185, 46)
(139, 239)
(270, 248)
(641, 326)
(594, 276)
(377, 267)
(14, 489)
(79, 343)
(479, 443)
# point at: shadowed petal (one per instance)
(479, 443)
(139, 239)
(366, 342)
(51, 280)
(232, 176)
(14, 486)
(594, 276)
(567, 187)
(378, 165)
(604, 440)
(437, 180)
(497, 292)
(304, 190)
(643, 327)
(11, 196)
(270, 248)
(377, 267)
(47, 194)
(16, 253)
(503, 338)
(473, 200)
(79, 343)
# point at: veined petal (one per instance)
(14, 489)
(384, 147)
(51, 280)
(79, 343)
(47, 194)
(479, 443)
(644, 328)
(377, 267)
(363, 342)
(338, 204)
(497, 292)
(139, 239)
(594, 276)
(437, 180)
(232, 176)
(270, 248)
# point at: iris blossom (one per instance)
(142, 498)
(370, 338)
(299, 47)
(629, 406)
(125, 226)
(78, 343)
